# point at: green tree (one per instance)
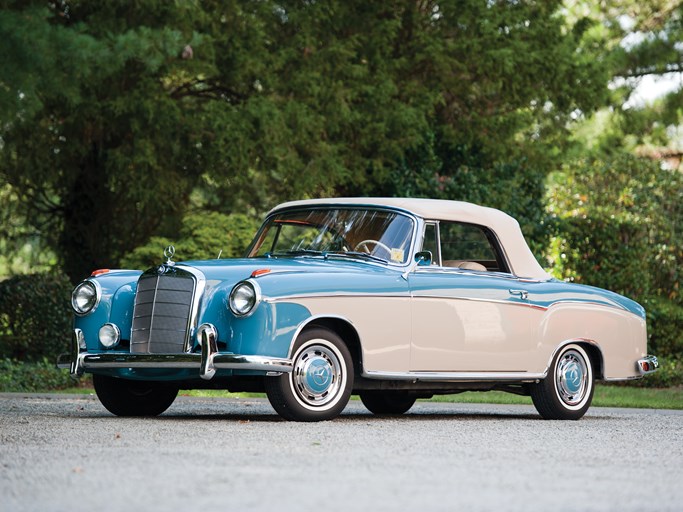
(202, 236)
(642, 46)
(252, 102)
(101, 163)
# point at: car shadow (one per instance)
(354, 417)
(255, 411)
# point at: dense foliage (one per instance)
(35, 317)
(20, 377)
(201, 237)
(620, 223)
(261, 100)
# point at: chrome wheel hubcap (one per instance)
(572, 378)
(317, 377)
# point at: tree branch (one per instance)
(653, 70)
(210, 89)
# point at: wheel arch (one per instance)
(593, 350)
(340, 326)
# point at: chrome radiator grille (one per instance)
(163, 311)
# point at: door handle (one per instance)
(522, 294)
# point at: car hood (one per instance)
(237, 269)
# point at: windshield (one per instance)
(353, 232)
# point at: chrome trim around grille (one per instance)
(181, 315)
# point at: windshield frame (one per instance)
(416, 223)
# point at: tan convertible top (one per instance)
(506, 228)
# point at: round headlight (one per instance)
(109, 335)
(85, 297)
(243, 298)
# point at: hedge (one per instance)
(20, 377)
(35, 317)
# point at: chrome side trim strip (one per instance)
(529, 304)
(490, 301)
(323, 295)
(270, 300)
(622, 379)
(455, 376)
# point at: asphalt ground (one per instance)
(67, 453)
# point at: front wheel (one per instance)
(125, 397)
(320, 384)
(387, 402)
(567, 391)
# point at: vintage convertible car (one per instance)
(391, 299)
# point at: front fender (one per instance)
(115, 306)
(269, 331)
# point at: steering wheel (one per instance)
(364, 246)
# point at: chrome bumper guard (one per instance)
(207, 362)
(647, 364)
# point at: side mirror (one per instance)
(423, 258)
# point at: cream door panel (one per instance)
(467, 322)
(383, 324)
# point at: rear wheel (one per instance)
(566, 393)
(320, 384)
(387, 402)
(125, 397)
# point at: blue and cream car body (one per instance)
(392, 299)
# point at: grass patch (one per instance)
(606, 395)
(639, 398)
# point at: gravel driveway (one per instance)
(63, 452)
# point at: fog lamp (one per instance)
(109, 335)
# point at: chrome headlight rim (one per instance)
(98, 295)
(233, 305)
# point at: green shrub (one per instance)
(604, 251)
(618, 224)
(665, 340)
(19, 377)
(665, 327)
(35, 317)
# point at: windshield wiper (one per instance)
(299, 252)
(356, 254)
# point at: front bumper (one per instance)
(207, 362)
